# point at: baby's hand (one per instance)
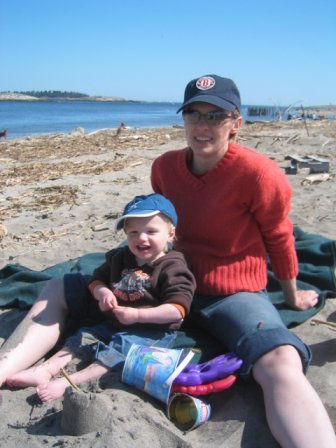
(126, 315)
(106, 299)
(105, 304)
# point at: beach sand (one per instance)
(59, 198)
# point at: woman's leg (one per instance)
(37, 333)
(295, 413)
(56, 388)
(42, 373)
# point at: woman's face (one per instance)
(209, 141)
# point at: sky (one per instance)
(279, 52)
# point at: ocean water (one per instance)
(31, 118)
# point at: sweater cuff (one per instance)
(180, 308)
(285, 268)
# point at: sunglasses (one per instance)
(214, 118)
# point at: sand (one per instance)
(59, 198)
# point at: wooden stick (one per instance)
(330, 325)
(66, 376)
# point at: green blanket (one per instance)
(20, 286)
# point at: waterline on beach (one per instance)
(31, 118)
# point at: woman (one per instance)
(233, 205)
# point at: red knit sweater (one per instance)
(230, 218)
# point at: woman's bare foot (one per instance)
(30, 377)
(52, 390)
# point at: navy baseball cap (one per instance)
(212, 89)
(150, 205)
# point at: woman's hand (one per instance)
(305, 299)
(298, 300)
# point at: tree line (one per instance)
(51, 94)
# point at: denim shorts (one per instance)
(247, 324)
(109, 346)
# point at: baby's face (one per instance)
(148, 237)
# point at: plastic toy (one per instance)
(205, 389)
(207, 372)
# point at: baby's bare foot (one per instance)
(29, 377)
(52, 390)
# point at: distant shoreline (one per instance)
(21, 98)
(57, 95)
(90, 99)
